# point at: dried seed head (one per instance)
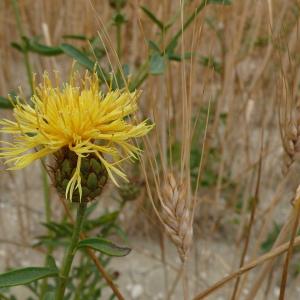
(129, 191)
(93, 174)
(176, 215)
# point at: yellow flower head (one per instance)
(77, 117)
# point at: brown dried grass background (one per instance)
(258, 90)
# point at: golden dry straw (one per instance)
(176, 215)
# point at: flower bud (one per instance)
(93, 174)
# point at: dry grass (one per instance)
(208, 133)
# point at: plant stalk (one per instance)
(94, 258)
(186, 25)
(289, 253)
(15, 5)
(69, 256)
(48, 214)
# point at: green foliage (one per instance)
(104, 246)
(85, 281)
(262, 41)
(80, 37)
(157, 64)
(239, 204)
(224, 2)
(153, 18)
(5, 103)
(33, 45)
(26, 275)
(60, 232)
(211, 62)
(119, 19)
(272, 236)
(82, 59)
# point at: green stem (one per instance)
(140, 76)
(46, 190)
(48, 214)
(143, 72)
(83, 278)
(2, 297)
(186, 24)
(15, 5)
(69, 256)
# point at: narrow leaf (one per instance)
(153, 46)
(104, 246)
(75, 37)
(78, 55)
(51, 262)
(224, 2)
(84, 60)
(25, 276)
(18, 47)
(211, 62)
(157, 64)
(153, 18)
(177, 57)
(44, 49)
(5, 103)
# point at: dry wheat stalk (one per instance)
(176, 215)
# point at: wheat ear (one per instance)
(291, 141)
(176, 215)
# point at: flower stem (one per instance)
(68, 259)
(48, 214)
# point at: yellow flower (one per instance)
(77, 117)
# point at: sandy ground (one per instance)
(142, 274)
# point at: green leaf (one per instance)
(153, 46)
(80, 37)
(84, 60)
(50, 241)
(5, 103)
(272, 236)
(157, 64)
(177, 57)
(63, 229)
(32, 44)
(104, 246)
(108, 218)
(44, 49)
(18, 47)
(211, 62)
(224, 2)
(25, 276)
(78, 55)
(171, 46)
(51, 262)
(153, 18)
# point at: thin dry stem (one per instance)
(249, 266)
(291, 246)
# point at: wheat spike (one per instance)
(291, 141)
(176, 215)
